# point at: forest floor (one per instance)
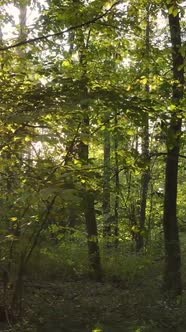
(62, 298)
(86, 306)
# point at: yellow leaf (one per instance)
(13, 219)
(10, 236)
(66, 63)
(27, 139)
(144, 80)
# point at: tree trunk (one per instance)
(92, 236)
(90, 216)
(83, 152)
(116, 203)
(144, 187)
(22, 27)
(145, 153)
(106, 183)
(172, 274)
(88, 195)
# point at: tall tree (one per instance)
(172, 274)
(145, 144)
(88, 193)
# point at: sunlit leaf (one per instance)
(13, 219)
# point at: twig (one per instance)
(157, 154)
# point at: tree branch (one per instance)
(60, 33)
(157, 154)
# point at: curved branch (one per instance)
(60, 33)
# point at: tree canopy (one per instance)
(92, 148)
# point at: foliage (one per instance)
(86, 113)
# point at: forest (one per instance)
(92, 166)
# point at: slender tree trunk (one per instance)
(145, 153)
(144, 187)
(18, 285)
(83, 151)
(22, 26)
(88, 194)
(91, 225)
(172, 274)
(116, 202)
(22, 20)
(106, 182)
(149, 225)
(90, 216)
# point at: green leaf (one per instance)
(175, 12)
(144, 80)
(172, 107)
(66, 64)
(180, 67)
(131, 132)
(170, 10)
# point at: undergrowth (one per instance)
(59, 296)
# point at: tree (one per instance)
(145, 178)
(117, 184)
(172, 274)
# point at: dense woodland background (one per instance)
(92, 165)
